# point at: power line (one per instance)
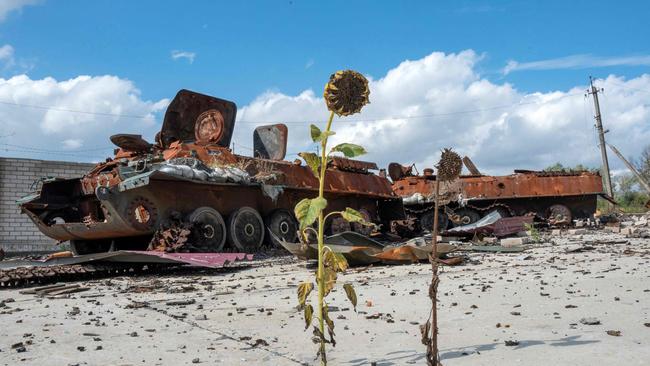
(431, 115)
(54, 151)
(71, 110)
(48, 153)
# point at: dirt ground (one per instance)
(581, 300)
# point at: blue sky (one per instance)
(424, 58)
(243, 48)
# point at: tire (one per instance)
(208, 230)
(246, 230)
(363, 229)
(467, 216)
(336, 225)
(83, 247)
(283, 225)
(426, 221)
(504, 212)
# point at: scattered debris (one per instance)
(181, 302)
(590, 321)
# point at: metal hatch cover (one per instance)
(187, 109)
(270, 142)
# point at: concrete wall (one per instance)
(17, 232)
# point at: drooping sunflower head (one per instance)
(346, 92)
(449, 166)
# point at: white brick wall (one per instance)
(17, 232)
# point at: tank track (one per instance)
(31, 276)
(482, 210)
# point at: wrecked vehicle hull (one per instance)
(162, 193)
(190, 192)
(557, 198)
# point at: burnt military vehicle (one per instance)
(190, 174)
(554, 197)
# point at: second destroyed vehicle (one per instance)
(554, 197)
(189, 192)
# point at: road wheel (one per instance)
(503, 211)
(336, 225)
(426, 221)
(208, 230)
(466, 216)
(283, 225)
(363, 229)
(246, 230)
(559, 214)
(82, 247)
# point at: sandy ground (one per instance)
(249, 317)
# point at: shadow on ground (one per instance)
(417, 357)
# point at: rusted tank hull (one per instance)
(162, 194)
(506, 187)
(547, 195)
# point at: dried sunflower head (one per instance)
(346, 92)
(449, 166)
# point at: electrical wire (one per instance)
(50, 153)
(71, 110)
(431, 115)
(55, 151)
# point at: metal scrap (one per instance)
(361, 250)
(172, 236)
(30, 272)
(494, 224)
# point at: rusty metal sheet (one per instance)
(518, 185)
(521, 185)
(210, 260)
(352, 165)
(360, 250)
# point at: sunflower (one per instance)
(449, 166)
(346, 92)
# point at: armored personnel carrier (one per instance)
(555, 197)
(189, 188)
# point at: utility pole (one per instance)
(601, 136)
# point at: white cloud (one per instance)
(7, 56)
(71, 144)
(43, 120)
(309, 63)
(183, 54)
(577, 62)
(499, 127)
(6, 52)
(7, 6)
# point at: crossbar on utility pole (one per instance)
(601, 137)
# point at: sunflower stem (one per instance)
(321, 239)
(432, 357)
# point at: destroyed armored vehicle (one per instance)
(553, 197)
(190, 192)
